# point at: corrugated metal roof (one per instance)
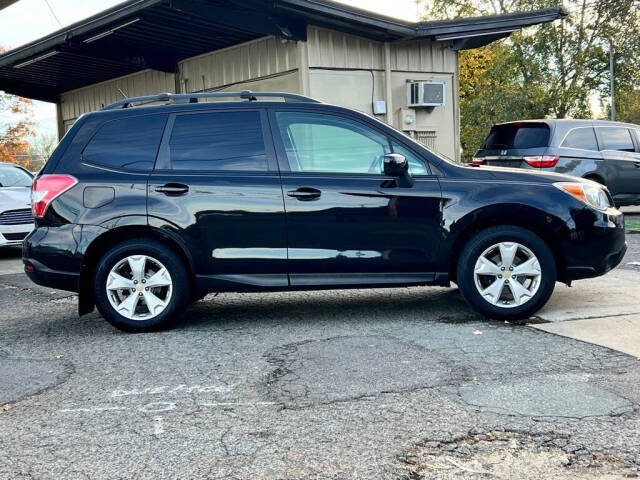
(157, 34)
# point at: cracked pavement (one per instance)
(318, 385)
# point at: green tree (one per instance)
(551, 70)
(15, 135)
(42, 148)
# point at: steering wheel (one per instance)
(377, 166)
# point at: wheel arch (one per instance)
(546, 226)
(102, 243)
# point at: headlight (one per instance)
(593, 195)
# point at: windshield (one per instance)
(14, 177)
(518, 135)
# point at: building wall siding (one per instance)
(349, 71)
(257, 59)
(87, 99)
(332, 66)
(328, 48)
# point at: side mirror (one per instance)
(396, 165)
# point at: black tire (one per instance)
(180, 293)
(483, 241)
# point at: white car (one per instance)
(16, 218)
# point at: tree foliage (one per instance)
(15, 134)
(548, 71)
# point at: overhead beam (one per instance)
(31, 90)
(241, 19)
(132, 58)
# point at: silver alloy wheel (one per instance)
(507, 274)
(139, 287)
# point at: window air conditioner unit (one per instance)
(425, 94)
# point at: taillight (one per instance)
(542, 161)
(478, 160)
(46, 188)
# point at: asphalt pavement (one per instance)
(385, 383)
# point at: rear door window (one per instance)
(518, 135)
(129, 143)
(616, 138)
(218, 141)
(583, 138)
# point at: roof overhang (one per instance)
(5, 3)
(157, 34)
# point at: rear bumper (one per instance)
(51, 259)
(596, 243)
(47, 277)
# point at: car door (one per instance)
(347, 222)
(623, 163)
(216, 186)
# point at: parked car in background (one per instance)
(599, 150)
(16, 218)
(143, 208)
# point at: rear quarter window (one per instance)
(523, 135)
(583, 138)
(129, 143)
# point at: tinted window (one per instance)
(584, 138)
(327, 143)
(218, 141)
(616, 138)
(14, 177)
(512, 135)
(131, 143)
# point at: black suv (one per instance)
(599, 150)
(144, 209)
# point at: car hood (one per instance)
(519, 175)
(13, 198)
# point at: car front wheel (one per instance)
(140, 286)
(506, 272)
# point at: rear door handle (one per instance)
(637, 164)
(305, 193)
(173, 189)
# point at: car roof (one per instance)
(169, 108)
(574, 122)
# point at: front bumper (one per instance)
(11, 235)
(595, 243)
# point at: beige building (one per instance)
(403, 73)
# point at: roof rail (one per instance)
(194, 97)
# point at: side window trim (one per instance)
(282, 157)
(163, 162)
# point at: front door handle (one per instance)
(173, 189)
(305, 193)
(637, 164)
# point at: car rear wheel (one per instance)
(140, 286)
(506, 272)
